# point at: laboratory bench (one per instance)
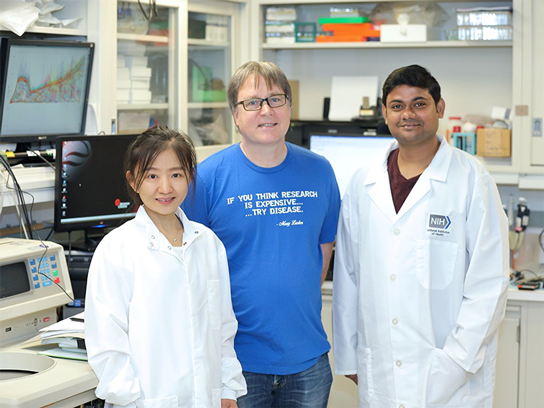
(520, 356)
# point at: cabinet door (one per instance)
(534, 83)
(343, 391)
(507, 374)
(147, 78)
(209, 70)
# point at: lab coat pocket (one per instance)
(448, 383)
(216, 397)
(435, 262)
(364, 373)
(214, 303)
(169, 402)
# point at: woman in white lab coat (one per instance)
(159, 324)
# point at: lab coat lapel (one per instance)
(419, 191)
(380, 189)
(437, 170)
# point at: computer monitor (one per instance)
(44, 88)
(347, 153)
(90, 184)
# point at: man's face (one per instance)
(266, 126)
(412, 115)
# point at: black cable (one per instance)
(30, 228)
(25, 219)
(44, 159)
(152, 9)
(540, 239)
(50, 233)
(43, 274)
(528, 270)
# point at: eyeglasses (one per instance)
(255, 104)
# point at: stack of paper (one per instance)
(69, 334)
(133, 74)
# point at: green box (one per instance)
(201, 86)
(343, 20)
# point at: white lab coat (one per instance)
(159, 325)
(418, 296)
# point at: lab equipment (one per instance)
(347, 153)
(90, 184)
(47, 81)
(522, 218)
(35, 281)
(518, 234)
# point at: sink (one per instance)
(18, 365)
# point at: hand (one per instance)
(353, 377)
(228, 403)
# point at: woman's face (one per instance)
(164, 186)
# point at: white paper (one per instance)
(347, 95)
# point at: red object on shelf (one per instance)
(362, 29)
(340, 38)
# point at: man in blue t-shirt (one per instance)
(275, 206)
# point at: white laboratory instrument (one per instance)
(32, 274)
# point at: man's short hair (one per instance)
(271, 73)
(412, 75)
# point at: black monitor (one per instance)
(44, 88)
(90, 186)
(347, 153)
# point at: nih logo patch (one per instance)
(439, 225)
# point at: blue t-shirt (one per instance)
(272, 222)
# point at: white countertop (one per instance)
(513, 293)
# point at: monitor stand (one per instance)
(89, 243)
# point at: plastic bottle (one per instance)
(454, 126)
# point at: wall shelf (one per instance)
(378, 44)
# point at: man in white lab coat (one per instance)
(421, 264)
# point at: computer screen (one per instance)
(44, 88)
(90, 186)
(347, 153)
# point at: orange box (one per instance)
(363, 29)
(339, 38)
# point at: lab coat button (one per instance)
(185, 243)
(169, 247)
(196, 232)
(393, 277)
(398, 363)
(395, 321)
(397, 231)
(152, 236)
(152, 244)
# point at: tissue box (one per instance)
(492, 142)
(403, 33)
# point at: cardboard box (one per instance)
(492, 142)
(403, 33)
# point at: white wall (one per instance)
(473, 80)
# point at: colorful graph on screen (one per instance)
(60, 87)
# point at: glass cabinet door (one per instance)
(209, 71)
(146, 66)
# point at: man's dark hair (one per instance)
(412, 75)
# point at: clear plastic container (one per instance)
(484, 18)
(485, 33)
